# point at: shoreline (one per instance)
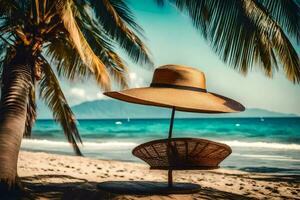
(254, 169)
(47, 174)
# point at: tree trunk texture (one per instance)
(16, 83)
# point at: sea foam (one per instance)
(264, 145)
(31, 143)
(28, 143)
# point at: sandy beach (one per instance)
(52, 176)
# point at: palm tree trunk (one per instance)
(16, 82)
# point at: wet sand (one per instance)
(52, 176)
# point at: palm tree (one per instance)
(249, 33)
(76, 38)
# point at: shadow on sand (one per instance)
(74, 188)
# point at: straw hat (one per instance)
(179, 87)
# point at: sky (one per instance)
(172, 39)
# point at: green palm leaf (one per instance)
(286, 14)
(103, 47)
(249, 33)
(53, 96)
(83, 48)
(69, 63)
(114, 16)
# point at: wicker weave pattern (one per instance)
(182, 153)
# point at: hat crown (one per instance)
(179, 76)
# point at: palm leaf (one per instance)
(83, 48)
(53, 96)
(246, 33)
(114, 16)
(279, 42)
(103, 48)
(286, 14)
(69, 63)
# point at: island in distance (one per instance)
(121, 110)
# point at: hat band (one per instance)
(181, 87)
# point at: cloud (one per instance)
(77, 92)
(79, 95)
(99, 95)
(132, 76)
(135, 80)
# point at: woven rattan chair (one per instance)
(182, 154)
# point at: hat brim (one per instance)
(182, 100)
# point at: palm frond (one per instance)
(69, 63)
(103, 48)
(198, 12)
(53, 96)
(83, 48)
(244, 35)
(114, 16)
(286, 14)
(278, 40)
(6, 32)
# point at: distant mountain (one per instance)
(112, 109)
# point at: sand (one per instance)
(52, 176)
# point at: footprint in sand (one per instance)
(294, 192)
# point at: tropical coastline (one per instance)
(261, 166)
(269, 146)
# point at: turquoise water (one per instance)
(262, 145)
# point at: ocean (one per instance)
(265, 145)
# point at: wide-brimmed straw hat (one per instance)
(179, 87)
